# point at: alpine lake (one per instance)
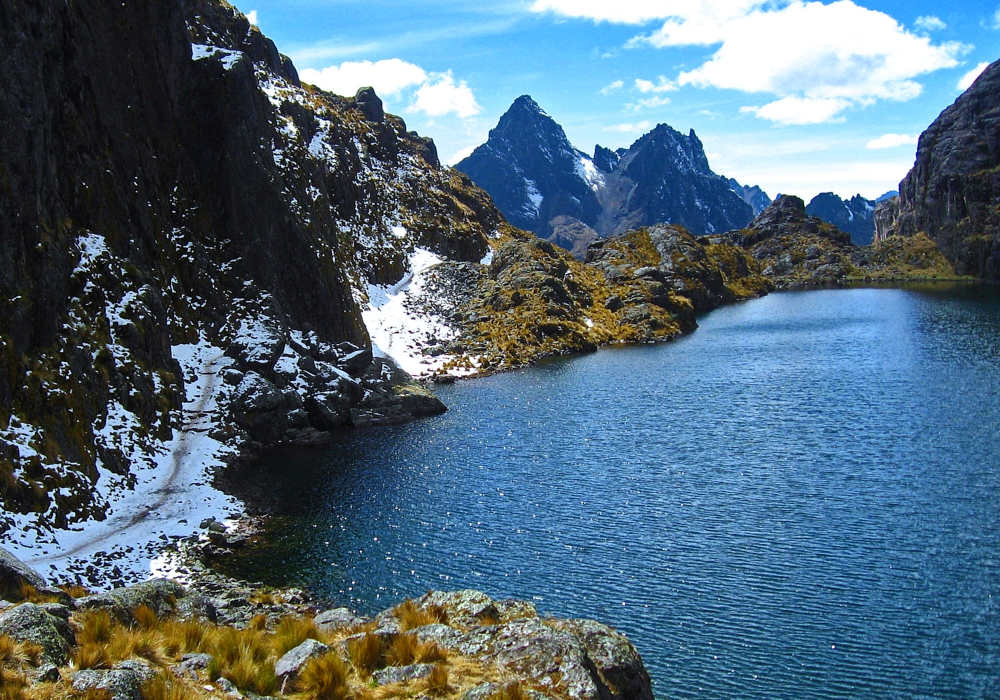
(799, 500)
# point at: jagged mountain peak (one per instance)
(543, 184)
(855, 216)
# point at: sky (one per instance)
(798, 97)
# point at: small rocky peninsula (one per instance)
(218, 638)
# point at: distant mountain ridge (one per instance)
(543, 184)
(855, 216)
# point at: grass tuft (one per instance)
(15, 653)
(437, 682)
(95, 627)
(146, 618)
(510, 691)
(411, 616)
(406, 649)
(324, 678)
(12, 684)
(291, 632)
(365, 653)
(162, 688)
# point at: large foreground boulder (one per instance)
(14, 574)
(31, 623)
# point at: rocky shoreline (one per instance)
(214, 637)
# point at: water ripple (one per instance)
(797, 501)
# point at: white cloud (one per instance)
(647, 86)
(613, 87)
(798, 110)
(969, 78)
(443, 96)
(826, 56)
(252, 17)
(891, 141)
(461, 155)
(639, 128)
(388, 77)
(648, 103)
(437, 94)
(930, 23)
(996, 19)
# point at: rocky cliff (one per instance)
(543, 184)
(797, 250)
(951, 192)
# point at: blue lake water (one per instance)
(799, 500)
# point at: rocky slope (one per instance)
(856, 216)
(796, 250)
(221, 638)
(951, 192)
(543, 184)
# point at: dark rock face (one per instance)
(951, 193)
(754, 196)
(532, 172)
(166, 180)
(542, 184)
(856, 216)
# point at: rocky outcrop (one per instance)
(855, 216)
(459, 645)
(952, 191)
(543, 184)
(797, 250)
(15, 576)
(536, 300)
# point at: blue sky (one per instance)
(798, 97)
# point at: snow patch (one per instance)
(589, 173)
(402, 328)
(173, 492)
(200, 52)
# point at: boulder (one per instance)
(257, 345)
(289, 665)
(418, 401)
(119, 684)
(14, 573)
(465, 608)
(370, 105)
(616, 659)
(399, 674)
(159, 594)
(330, 621)
(328, 410)
(30, 623)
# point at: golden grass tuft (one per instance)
(75, 591)
(406, 649)
(29, 594)
(146, 618)
(325, 678)
(12, 684)
(437, 682)
(15, 653)
(163, 688)
(365, 653)
(258, 622)
(88, 656)
(411, 616)
(94, 627)
(510, 691)
(291, 632)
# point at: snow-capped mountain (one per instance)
(855, 216)
(543, 184)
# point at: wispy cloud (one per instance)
(613, 87)
(333, 49)
(637, 128)
(891, 141)
(930, 23)
(969, 78)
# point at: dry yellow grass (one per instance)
(325, 678)
(365, 653)
(437, 683)
(411, 616)
(14, 653)
(291, 632)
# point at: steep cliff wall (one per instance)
(951, 193)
